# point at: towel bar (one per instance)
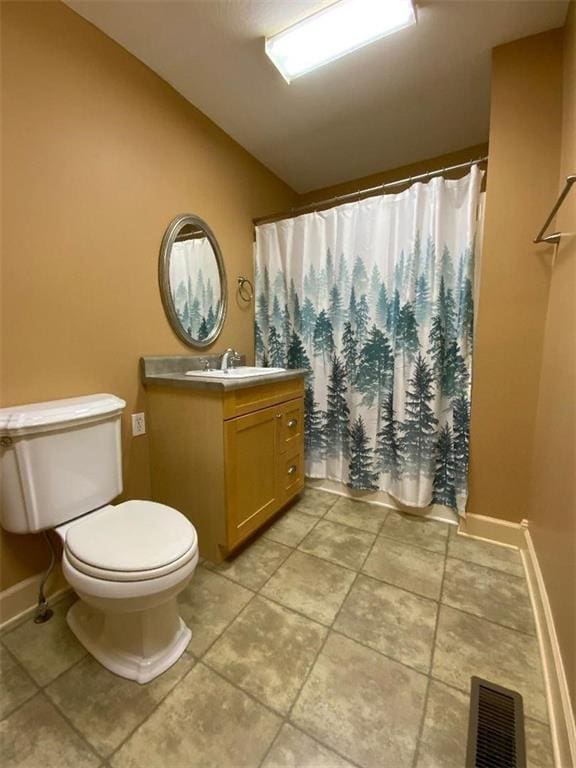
(554, 237)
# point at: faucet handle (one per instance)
(235, 357)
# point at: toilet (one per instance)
(60, 466)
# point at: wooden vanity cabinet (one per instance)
(229, 460)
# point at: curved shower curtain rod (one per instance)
(362, 193)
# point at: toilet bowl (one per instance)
(128, 563)
(61, 466)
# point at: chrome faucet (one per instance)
(229, 355)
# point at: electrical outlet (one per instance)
(138, 424)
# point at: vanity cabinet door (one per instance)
(252, 487)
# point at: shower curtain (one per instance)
(376, 299)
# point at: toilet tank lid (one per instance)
(20, 419)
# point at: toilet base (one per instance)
(139, 645)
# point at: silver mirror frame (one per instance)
(164, 279)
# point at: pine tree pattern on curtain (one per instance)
(196, 298)
(376, 300)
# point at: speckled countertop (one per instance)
(170, 371)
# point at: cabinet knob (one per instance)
(292, 469)
(292, 423)
(278, 415)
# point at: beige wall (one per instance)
(98, 155)
(522, 183)
(553, 488)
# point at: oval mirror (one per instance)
(192, 280)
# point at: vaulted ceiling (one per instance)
(421, 92)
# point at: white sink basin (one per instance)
(243, 372)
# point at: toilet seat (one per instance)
(132, 541)
(109, 575)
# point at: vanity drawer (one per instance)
(239, 402)
(291, 426)
(291, 474)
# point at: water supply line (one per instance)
(43, 612)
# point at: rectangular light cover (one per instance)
(335, 31)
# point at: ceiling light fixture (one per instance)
(335, 31)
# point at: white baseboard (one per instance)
(562, 726)
(17, 603)
(494, 530)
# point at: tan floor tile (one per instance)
(418, 531)
(104, 707)
(412, 568)
(467, 646)
(492, 594)
(46, 650)
(315, 502)
(311, 586)
(254, 565)
(268, 651)
(204, 722)
(444, 736)
(338, 543)
(37, 735)
(208, 605)
(397, 623)
(15, 685)
(486, 553)
(291, 527)
(293, 749)
(363, 705)
(357, 514)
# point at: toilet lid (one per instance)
(132, 536)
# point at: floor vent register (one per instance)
(496, 727)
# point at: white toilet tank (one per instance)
(58, 460)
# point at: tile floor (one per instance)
(345, 635)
